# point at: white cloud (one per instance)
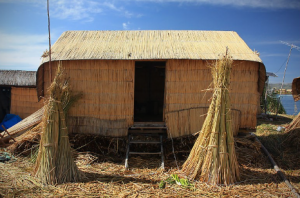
(74, 10)
(293, 55)
(269, 4)
(87, 7)
(21, 51)
(276, 42)
(112, 6)
(264, 55)
(125, 25)
(84, 10)
(121, 10)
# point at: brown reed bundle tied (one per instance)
(212, 158)
(294, 124)
(55, 163)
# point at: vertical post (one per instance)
(50, 72)
(287, 62)
(162, 152)
(127, 152)
(7, 133)
(266, 95)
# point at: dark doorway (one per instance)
(149, 91)
(4, 102)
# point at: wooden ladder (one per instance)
(146, 131)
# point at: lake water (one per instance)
(289, 104)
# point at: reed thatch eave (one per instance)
(149, 44)
(17, 78)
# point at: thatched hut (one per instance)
(296, 89)
(18, 93)
(152, 76)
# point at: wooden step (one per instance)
(137, 133)
(146, 153)
(148, 128)
(150, 132)
(149, 124)
(144, 142)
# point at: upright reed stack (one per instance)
(55, 163)
(213, 159)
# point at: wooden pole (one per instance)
(50, 72)
(8, 133)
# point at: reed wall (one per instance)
(107, 105)
(24, 101)
(187, 90)
(296, 89)
(190, 121)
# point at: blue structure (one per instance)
(9, 121)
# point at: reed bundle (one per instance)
(24, 125)
(55, 163)
(291, 143)
(213, 158)
(294, 124)
(27, 139)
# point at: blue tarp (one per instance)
(9, 121)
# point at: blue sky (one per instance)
(261, 23)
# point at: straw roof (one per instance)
(296, 89)
(18, 78)
(155, 44)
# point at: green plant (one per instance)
(174, 179)
(273, 104)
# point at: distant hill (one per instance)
(278, 85)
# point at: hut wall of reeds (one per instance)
(22, 94)
(187, 97)
(106, 107)
(296, 89)
(24, 101)
(102, 65)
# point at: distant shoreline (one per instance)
(285, 94)
(278, 85)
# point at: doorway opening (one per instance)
(149, 91)
(5, 95)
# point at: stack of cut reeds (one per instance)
(294, 124)
(292, 132)
(27, 139)
(213, 158)
(55, 163)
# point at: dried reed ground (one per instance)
(106, 178)
(109, 180)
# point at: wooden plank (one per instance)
(142, 128)
(146, 153)
(146, 131)
(149, 124)
(144, 142)
(8, 133)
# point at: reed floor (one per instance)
(105, 175)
